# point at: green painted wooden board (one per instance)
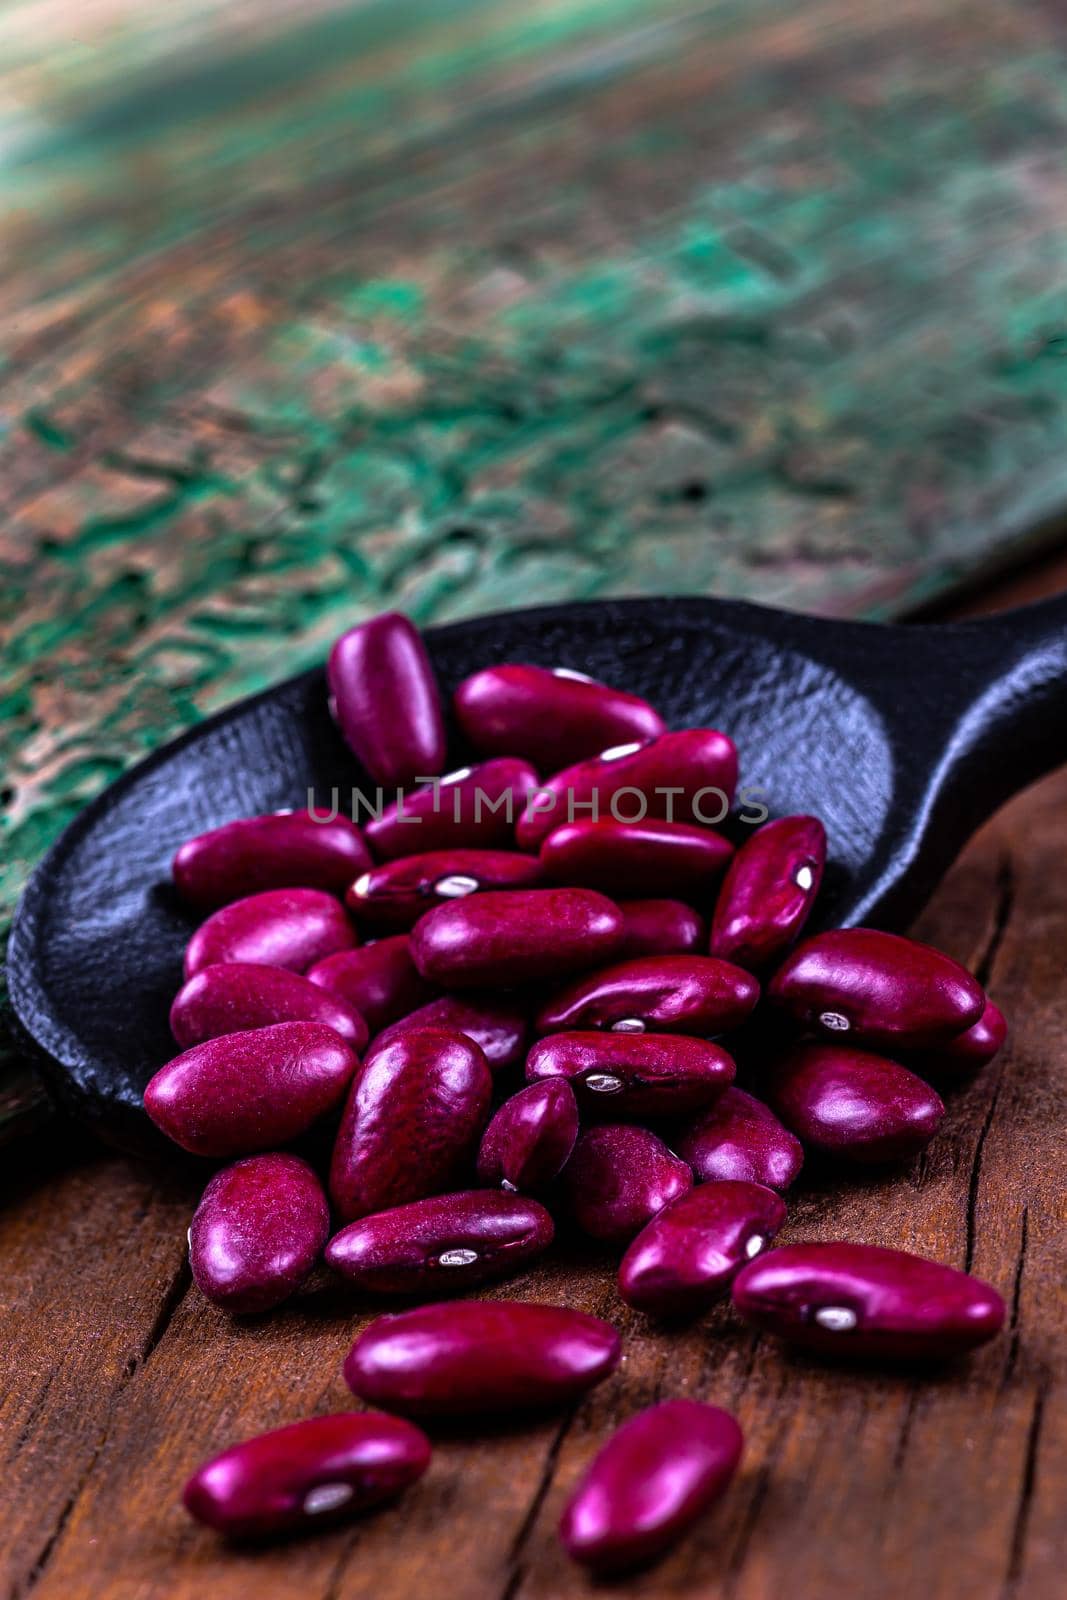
(308, 310)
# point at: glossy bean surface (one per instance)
(474, 808)
(768, 892)
(284, 850)
(619, 1176)
(853, 1105)
(245, 1092)
(862, 1300)
(656, 1476)
(684, 777)
(741, 1139)
(662, 994)
(259, 1229)
(635, 858)
(236, 996)
(394, 896)
(548, 716)
(312, 1473)
(973, 1048)
(443, 1244)
(514, 939)
(634, 1074)
(497, 1027)
(660, 928)
(688, 1255)
(470, 1357)
(384, 697)
(878, 988)
(411, 1124)
(380, 980)
(292, 928)
(529, 1140)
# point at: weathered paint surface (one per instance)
(310, 310)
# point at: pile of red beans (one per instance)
(395, 975)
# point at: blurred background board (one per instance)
(309, 310)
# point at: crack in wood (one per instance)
(1005, 891)
(333, 1582)
(1016, 1294)
(748, 1366)
(983, 971)
(515, 1566)
(762, 1478)
(176, 1291)
(511, 1589)
(761, 1483)
(1026, 1494)
(172, 1298)
(516, 1571)
(884, 1520)
(22, 1587)
(23, 1436)
(904, 1436)
(975, 1181)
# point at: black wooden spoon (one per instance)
(902, 738)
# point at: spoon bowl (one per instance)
(901, 738)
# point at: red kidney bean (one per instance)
(684, 777)
(879, 988)
(740, 1138)
(861, 1300)
(480, 1356)
(245, 1092)
(968, 1051)
(656, 1476)
(292, 928)
(619, 1177)
(852, 1105)
(384, 696)
(660, 994)
(517, 938)
(259, 1229)
(285, 850)
(380, 980)
(690, 1252)
(311, 1474)
(550, 716)
(528, 1142)
(236, 996)
(443, 1244)
(634, 1074)
(659, 928)
(497, 1027)
(473, 808)
(768, 892)
(633, 858)
(411, 1123)
(397, 894)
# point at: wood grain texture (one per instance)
(118, 1378)
(309, 310)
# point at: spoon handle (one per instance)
(1011, 670)
(976, 711)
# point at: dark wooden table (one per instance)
(345, 306)
(118, 1378)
